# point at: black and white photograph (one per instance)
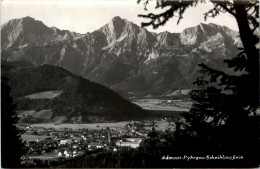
(130, 84)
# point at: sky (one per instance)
(84, 16)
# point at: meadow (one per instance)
(44, 95)
(90, 126)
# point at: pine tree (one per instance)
(12, 147)
(222, 120)
(223, 117)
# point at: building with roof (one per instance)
(130, 142)
(94, 145)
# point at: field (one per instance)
(160, 125)
(29, 137)
(59, 119)
(157, 104)
(91, 126)
(42, 114)
(46, 157)
(157, 108)
(44, 95)
(258, 111)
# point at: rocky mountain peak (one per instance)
(117, 23)
(27, 23)
(27, 30)
(28, 19)
(120, 50)
(203, 32)
(166, 39)
(117, 19)
(24, 20)
(113, 29)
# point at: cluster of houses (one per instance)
(67, 153)
(54, 143)
(68, 143)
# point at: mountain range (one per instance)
(121, 55)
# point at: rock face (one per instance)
(122, 55)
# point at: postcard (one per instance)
(130, 84)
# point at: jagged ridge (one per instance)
(122, 55)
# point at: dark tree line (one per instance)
(12, 147)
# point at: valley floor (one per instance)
(162, 104)
(52, 141)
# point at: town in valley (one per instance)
(54, 142)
